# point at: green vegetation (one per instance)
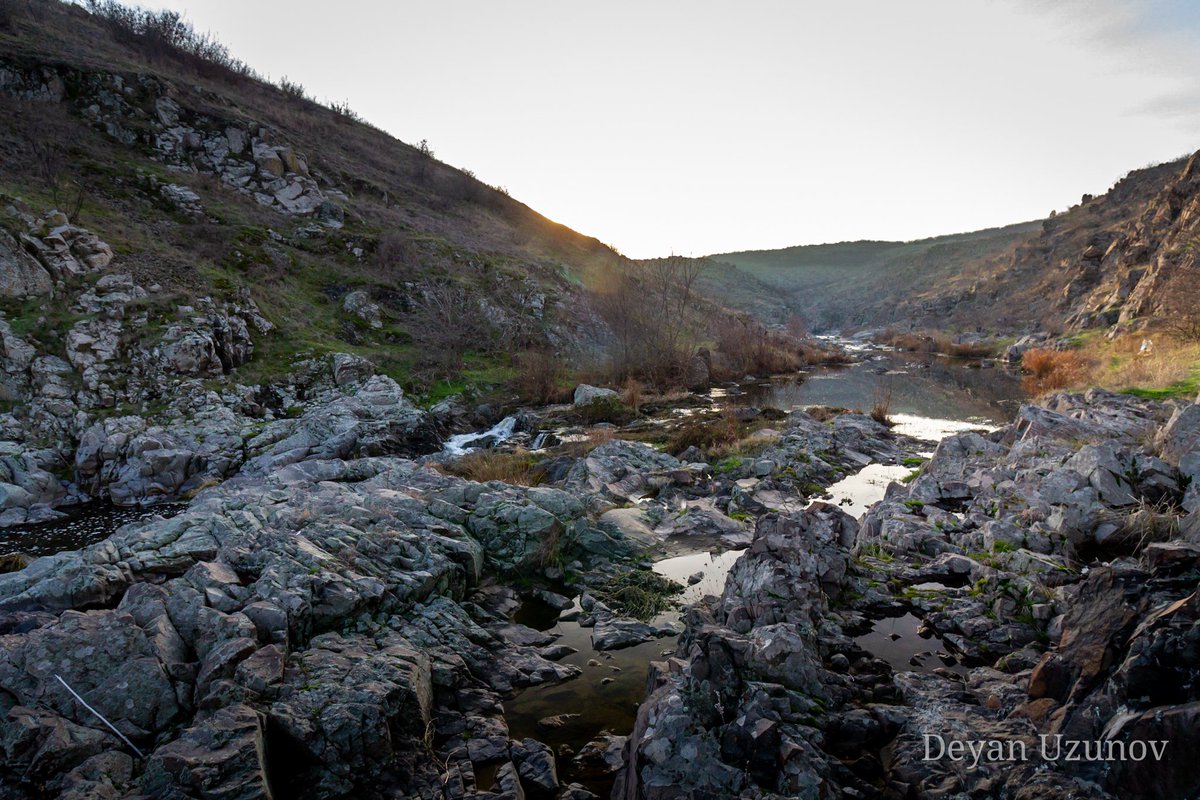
(820, 280)
(642, 593)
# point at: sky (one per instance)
(695, 127)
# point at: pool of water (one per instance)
(899, 641)
(605, 697)
(930, 397)
(84, 526)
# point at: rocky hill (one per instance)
(852, 284)
(1123, 257)
(183, 247)
(1120, 258)
(213, 190)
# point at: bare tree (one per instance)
(652, 311)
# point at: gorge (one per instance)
(329, 471)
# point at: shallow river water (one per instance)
(931, 398)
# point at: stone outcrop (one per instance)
(1053, 562)
(319, 611)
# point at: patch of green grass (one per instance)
(1186, 389)
(913, 461)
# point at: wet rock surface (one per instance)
(1055, 560)
(345, 613)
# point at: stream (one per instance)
(931, 398)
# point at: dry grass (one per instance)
(1051, 370)
(14, 562)
(881, 404)
(745, 446)
(933, 342)
(516, 467)
(1148, 365)
(704, 433)
(1141, 525)
(632, 394)
(1168, 367)
(813, 354)
(599, 436)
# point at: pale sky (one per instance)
(694, 127)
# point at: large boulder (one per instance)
(20, 274)
(373, 418)
(585, 394)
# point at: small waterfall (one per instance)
(460, 444)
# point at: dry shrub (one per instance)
(631, 394)
(1050, 370)
(703, 433)
(516, 467)
(541, 377)
(881, 403)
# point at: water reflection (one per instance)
(920, 386)
(85, 526)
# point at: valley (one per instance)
(329, 471)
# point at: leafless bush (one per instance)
(540, 377)
(650, 310)
(165, 34)
(749, 348)
(448, 324)
(881, 403)
(397, 256)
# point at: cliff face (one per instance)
(1120, 258)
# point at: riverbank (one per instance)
(298, 586)
(1054, 560)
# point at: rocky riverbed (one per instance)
(1056, 558)
(330, 622)
(339, 619)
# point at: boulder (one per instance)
(359, 304)
(586, 395)
(20, 274)
(219, 755)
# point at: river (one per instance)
(931, 397)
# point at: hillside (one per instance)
(850, 284)
(1126, 257)
(223, 190)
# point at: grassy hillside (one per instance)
(113, 122)
(856, 283)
